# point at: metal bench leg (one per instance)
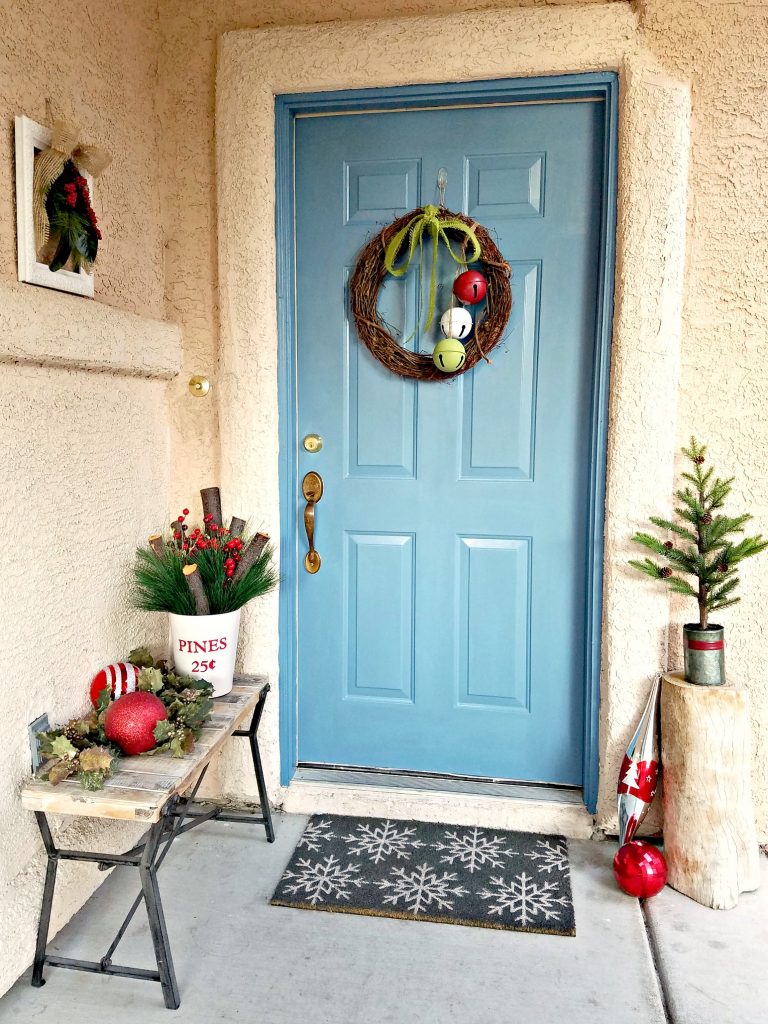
(44, 921)
(258, 768)
(153, 903)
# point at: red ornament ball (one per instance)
(120, 678)
(640, 869)
(470, 287)
(130, 721)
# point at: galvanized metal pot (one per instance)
(704, 654)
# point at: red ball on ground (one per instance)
(640, 869)
(130, 721)
(470, 287)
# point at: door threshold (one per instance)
(432, 782)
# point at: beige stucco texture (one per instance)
(84, 430)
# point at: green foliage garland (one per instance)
(703, 547)
(81, 750)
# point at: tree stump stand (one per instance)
(710, 840)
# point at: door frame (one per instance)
(602, 86)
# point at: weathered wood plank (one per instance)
(142, 786)
(71, 798)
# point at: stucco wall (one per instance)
(83, 420)
(720, 47)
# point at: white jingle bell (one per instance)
(456, 323)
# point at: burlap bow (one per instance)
(65, 145)
(432, 221)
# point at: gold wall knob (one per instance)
(199, 386)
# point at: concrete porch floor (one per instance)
(239, 960)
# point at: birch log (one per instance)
(710, 841)
(211, 499)
(251, 555)
(157, 544)
(236, 526)
(195, 585)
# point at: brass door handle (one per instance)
(312, 489)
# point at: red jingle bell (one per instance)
(130, 721)
(470, 287)
(640, 869)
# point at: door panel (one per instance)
(445, 629)
(380, 633)
(494, 596)
(497, 416)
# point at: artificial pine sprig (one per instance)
(703, 548)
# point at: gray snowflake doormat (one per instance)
(519, 881)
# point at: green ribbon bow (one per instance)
(435, 224)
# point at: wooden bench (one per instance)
(158, 791)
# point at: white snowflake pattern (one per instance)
(421, 889)
(318, 879)
(524, 899)
(381, 841)
(550, 856)
(473, 848)
(315, 833)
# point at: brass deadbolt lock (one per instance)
(312, 443)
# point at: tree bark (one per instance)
(157, 544)
(250, 555)
(710, 841)
(211, 498)
(195, 584)
(236, 527)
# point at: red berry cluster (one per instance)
(71, 190)
(233, 548)
(210, 537)
(82, 184)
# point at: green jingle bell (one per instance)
(449, 355)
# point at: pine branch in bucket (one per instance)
(208, 569)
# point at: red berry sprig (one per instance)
(82, 185)
(211, 537)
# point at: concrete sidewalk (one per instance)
(239, 960)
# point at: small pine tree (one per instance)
(702, 547)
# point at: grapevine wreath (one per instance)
(391, 251)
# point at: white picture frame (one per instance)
(32, 138)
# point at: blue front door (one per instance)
(445, 630)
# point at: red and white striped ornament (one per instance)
(121, 678)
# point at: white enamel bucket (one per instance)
(205, 646)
